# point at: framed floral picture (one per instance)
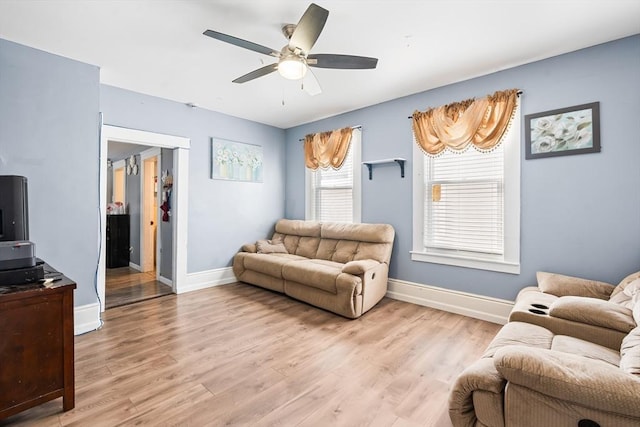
(572, 130)
(235, 161)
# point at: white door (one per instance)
(150, 212)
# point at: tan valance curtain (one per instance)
(481, 122)
(325, 149)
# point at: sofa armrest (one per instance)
(480, 376)
(593, 311)
(249, 247)
(359, 267)
(571, 378)
(561, 285)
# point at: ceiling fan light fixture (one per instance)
(292, 68)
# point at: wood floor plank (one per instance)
(125, 285)
(240, 355)
(173, 406)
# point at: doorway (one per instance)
(178, 230)
(126, 285)
(134, 244)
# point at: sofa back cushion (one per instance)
(338, 242)
(374, 233)
(308, 246)
(562, 285)
(299, 237)
(359, 241)
(625, 297)
(630, 352)
(624, 283)
(298, 227)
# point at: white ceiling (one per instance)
(156, 47)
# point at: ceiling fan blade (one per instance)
(348, 62)
(310, 84)
(257, 73)
(309, 28)
(242, 43)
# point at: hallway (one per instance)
(127, 286)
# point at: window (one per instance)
(334, 195)
(467, 206)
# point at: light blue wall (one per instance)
(132, 197)
(580, 214)
(166, 228)
(223, 215)
(49, 120)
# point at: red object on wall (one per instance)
(165, 211)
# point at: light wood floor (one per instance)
(126, 286)
(241, 355)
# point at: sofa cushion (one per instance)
(624, 282)
(375, 233)
(298, 227)
(593, 311)
(270, 264)
(359, 267)
(567, 344)
(317, 273)
(249, 247)
(561, 285)
(270, 247)
(379, 252)
(308, 246)
(290, 241)
(480, 376)
(630, 352)
(519, 333)
(357, 242)
(570, 378)
(625, 296)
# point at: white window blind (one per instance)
(334, 195)
(464, 202)
(332, 192)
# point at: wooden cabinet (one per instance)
(118, 240)
(36, 345)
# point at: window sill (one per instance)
(467, 262)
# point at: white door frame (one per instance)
(180, 207)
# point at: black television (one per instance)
(14, 209)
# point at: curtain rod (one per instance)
(517, 93)
(352, 127)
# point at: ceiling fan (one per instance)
(294, 59)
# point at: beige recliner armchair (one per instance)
(530, 376)
(594, 311)
(569, 356)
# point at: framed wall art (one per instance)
(236, 161)
(571, 130)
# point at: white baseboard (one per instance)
(166, 281)
(208, 279)
(135, 266)
(86, 318)
(477, 306)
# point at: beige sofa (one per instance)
(529, 376)
(562, 360)
(339, 267)
(594, 311)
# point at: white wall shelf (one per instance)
(397, 160)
